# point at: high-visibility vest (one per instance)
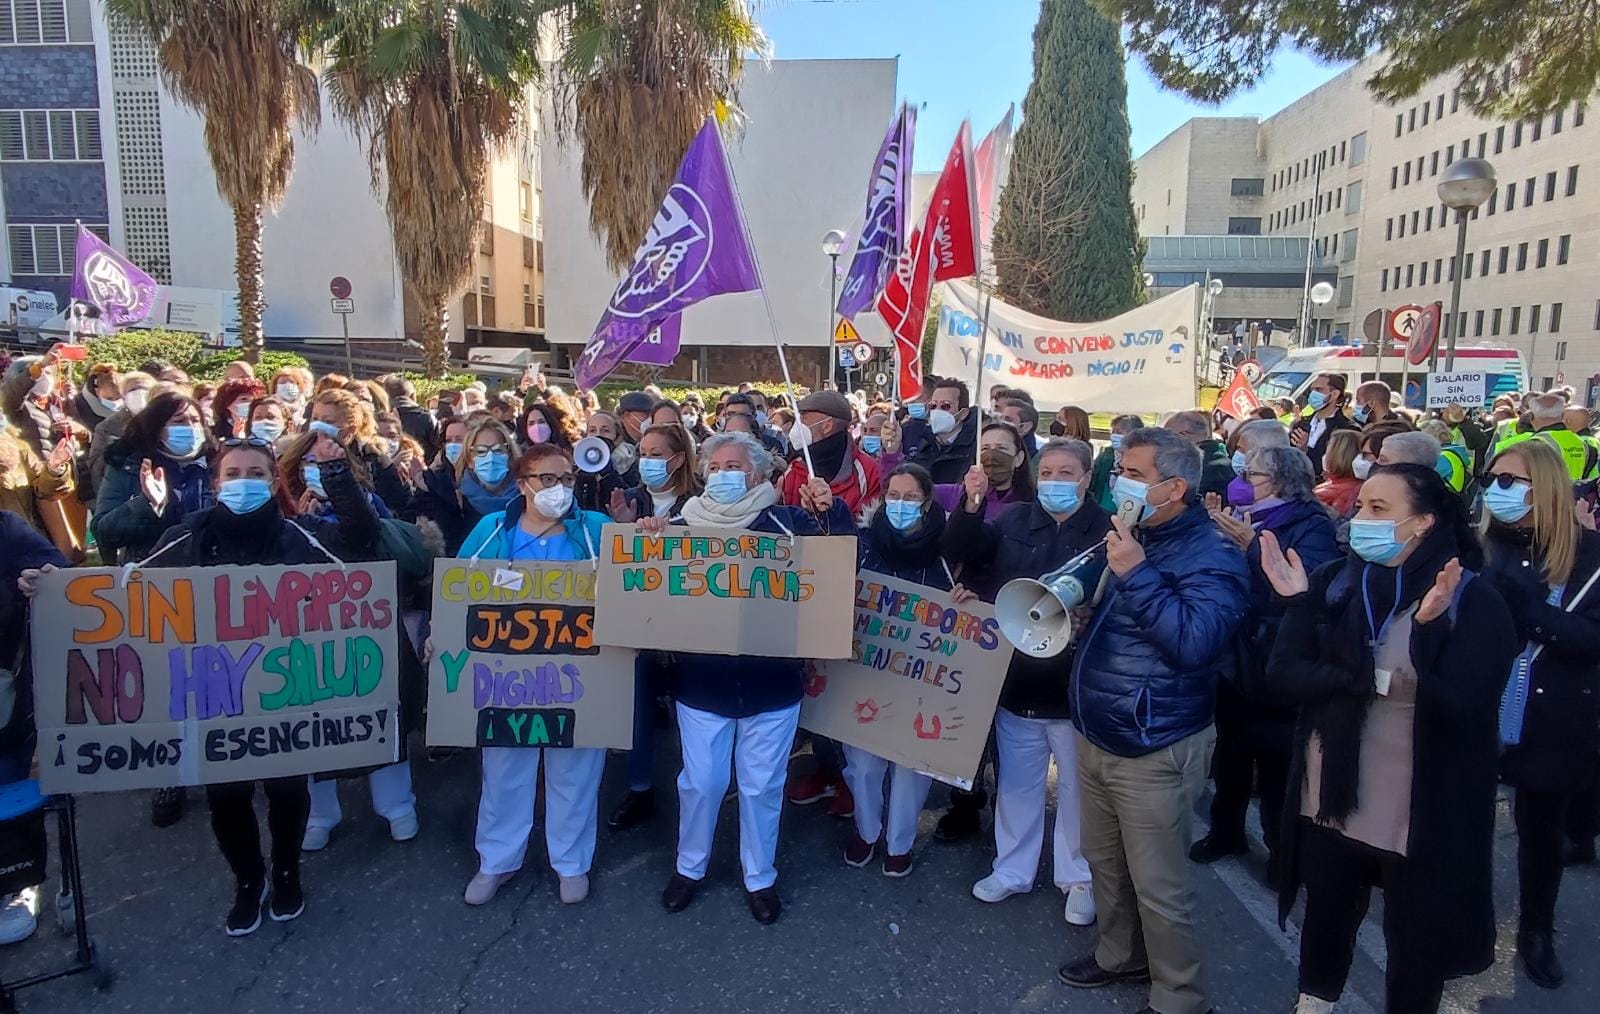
(1594, 455)
(1579, 455)
(1452, 467)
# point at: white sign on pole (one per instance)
(344, 306)
(1467, 388)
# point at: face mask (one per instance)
(328, 430)
(1318, 400)
(1362, 466)
(312, 474)
(1058, 496)
(452, 452)
(136, 400)
(1362, 414)
(941, 422)
(554, 502)
(182, 439)
(623, 456)
(109, 404)
(761, 418)
(1509, 505)
(241, 496)
(800, 436)
(205, 407)
(726, 487)
(1116, 441)
(998, 466)
(902, 514)
(872, 444)
(1375, 541)
(240, 409)
(288, 391)
(266, 429)
(1237, 461)
(655, 472)
(1125, 489)
(691, 420)
(1057, 429)
(539, 432)
(393, 447)
(917, 410)
(1240, 493)
(491, 466)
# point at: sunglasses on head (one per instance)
(256, 442)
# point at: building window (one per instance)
(525, 201)
(1511, 196)
(1494, 326)
(1533, 318)
(1399, 122)
(1422, 273)
(1494, 201)
(1516, 320)
(1455, 100)
(1341, 151)
(1406, 176)
(1563, 248)
(1522, 256)
(1247, 187)
(1504, 259)
(1426, 108)
(1466, 272)
(1383, 281)
(1438, 270)
(1394, 177)
(1439, 109)
(1428, 220)
(1349, 245)
(1527, 191)
(1543, 256)
(1433, 163)
(1388, 229)
(1411, 274)
(37, 22)
(1577, 115)
(1416, 219)
(1477, 324)
(1516, 134)
(1169, 197)
(1555, 121)
(49, 135)
(1244, 226)
(47, 249)
(1449, 154)
(1499, 139)
(1538, 128)
(1572, 180)
(1352, 198)
(1358, 149)
(1483, 270)
(1555, 318)
(1402, 220)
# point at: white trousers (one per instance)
(864, 773)
(758, 749)
(1025, 746)
(391, 796)
(571, 807)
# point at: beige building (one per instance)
(1361, 177)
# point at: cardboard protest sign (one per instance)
(922, 683)
(725, 591)
(515, 662)
(196, 675)
(1467, 388)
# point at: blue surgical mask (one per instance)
(328, 430)
(917, 410)
(655, 472)
(1237, 461)
(241, 496)
(1362, 414)
(1318, 400)
(266, 429)
(452, 452)
(902, 514)
(1375, 540)
(1058, 496)
(872, 444)
(313, 476)
(761, 418)
(182, 439)
(727, 486)
(1116, 441)
(1509, 505)
(491, 466)
(1125, 489)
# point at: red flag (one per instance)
(944, 246)
(1238, 398)
(992, 163)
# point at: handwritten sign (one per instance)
(1467, 388)
(515, 662)
(196, 675)
(725, 591)
(922, 681)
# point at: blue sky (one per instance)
(973, 57)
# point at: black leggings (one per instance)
(233, 821)
(1541, 821)
(1339, 876)
(1237, 766)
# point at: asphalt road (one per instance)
(385, 928)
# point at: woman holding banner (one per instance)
(740, 712)
(1006, 466)
(541, 522)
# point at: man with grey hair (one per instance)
(1414, 448)
(1143, 700)
(1216, 471)
(1545, 416)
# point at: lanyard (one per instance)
(1379, 633)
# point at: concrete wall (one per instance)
(1160, 185)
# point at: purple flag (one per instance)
(660, 345)
(696, 248)
(124, 293)
(883, 232)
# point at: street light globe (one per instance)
(1466, 184)
(1149, 279)
(1321, 293)
(832, 243)
(1216, 287)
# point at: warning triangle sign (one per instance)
(846, 333)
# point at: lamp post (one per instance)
(832, 246)
(1321, 295)
(1463, 186)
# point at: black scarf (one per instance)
(828, 455)
(1346, 640)
(241, 539)
(916, 549)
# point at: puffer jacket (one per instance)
(489, 539)
(1145, 674)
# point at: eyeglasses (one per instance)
(1249, 475)
(548, 479)
(916, 498)
(948, 406)
(256, 442)
(1505, 480)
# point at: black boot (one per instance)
(1537, 949)
(166, 806)
(637, 806)
(961, 821)
(1214, 846)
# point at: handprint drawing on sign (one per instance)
(869, 711)
(816, 680)
(942, 724)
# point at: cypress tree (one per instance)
(1066, 242)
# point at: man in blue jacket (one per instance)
(1144, 690)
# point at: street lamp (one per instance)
(1321, 295)
(1463, 186)
(832, 246)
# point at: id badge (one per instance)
(1380, 681)
(511, 580)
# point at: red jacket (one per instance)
(860, 489)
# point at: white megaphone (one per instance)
(591, 454)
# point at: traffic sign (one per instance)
(846, 359)
(339, 287)
(862, 353)
(1424, 335)
(1403, 322)
(1372, 327)
(881, 379)
(344, 305)
(1252, 371)
(845, 333)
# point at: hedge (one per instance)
(129, 350)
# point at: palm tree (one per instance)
(234, 62)
(432, 89)
(635, 80)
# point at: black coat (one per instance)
(417, 424)
(1024, 542)
(437, 500)
(1561, 726)
(1441, 907)
(1336, 422)
(948, 463)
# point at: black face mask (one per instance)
(1057, 429)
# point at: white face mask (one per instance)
(941, 422)
(1362, 466)
(553, 503)
(136, 399)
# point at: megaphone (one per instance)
(1033, 614)
(591, 454)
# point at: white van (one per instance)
(1291, 375)
(28, 308)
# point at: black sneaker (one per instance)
(958, 824)
(244, 918)
(636, 807)
(166, 806)
(288, 901)
(1086, 973)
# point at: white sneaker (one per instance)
(17, 917)
(1309, 1004)
(574, 889)
(316, 838)
(483, 887)
(993, 889)
(1080, 905)
(404, 827)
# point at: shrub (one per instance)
(128, 350)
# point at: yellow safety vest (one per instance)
(1574, 449)
(1456, 459)
(1594, 455)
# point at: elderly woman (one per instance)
(1255, 739)
(1245, 438)
(739, 712)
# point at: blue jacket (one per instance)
(1145, 675)
(738, 687)
(488, 537)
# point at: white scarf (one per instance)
(702, 510)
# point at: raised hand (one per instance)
(816, 495)
(1213, 503)
(1238, 530)
(1123, 552)
(976, 486)
(653, 525)
(1441, 594)
(60, 455)
(153, 484)
(1285, 573)
(1298, 437)
(960, 593)
(620, 509)
(890, 434)
(307, 503)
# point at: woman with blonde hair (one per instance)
(1544, 564)
(340, 416)
(484, 481)
(1339, 486)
